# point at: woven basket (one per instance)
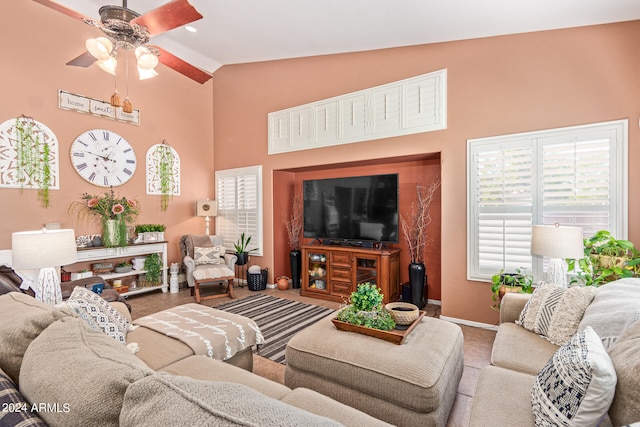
(102, 267)
(257, 281)
(407, 314)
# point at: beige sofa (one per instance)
(504, 393)
(70, 374)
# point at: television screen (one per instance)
(353, 208)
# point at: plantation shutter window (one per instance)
(239, 196)
(572, 176)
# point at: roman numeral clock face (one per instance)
(103, 158)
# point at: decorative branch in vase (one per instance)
(415, 233)
(294, 229)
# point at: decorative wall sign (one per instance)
(11, 174)
(95, 107)
(163, 172)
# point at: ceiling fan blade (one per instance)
(59, 8)
(167, 17)
(182, 67)
(84, 60)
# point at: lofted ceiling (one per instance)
(243, 31)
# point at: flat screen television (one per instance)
(352, 209)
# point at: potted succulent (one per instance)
(242, 249)
(605, 259)
(366, 309)
(502, 283)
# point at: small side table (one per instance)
(241, 273)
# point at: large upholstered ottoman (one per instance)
(411, 384)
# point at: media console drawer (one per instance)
(341, 258)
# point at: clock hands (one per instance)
(105, 158)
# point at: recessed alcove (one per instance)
(411, 170)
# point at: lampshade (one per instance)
(146, 59)
(100, 47)
(144, 74)
(555, 241)
(206, 208)
(43, 248)
(109, 65)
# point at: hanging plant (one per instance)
(33, 158)
(165, 161)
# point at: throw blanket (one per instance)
(211, 332)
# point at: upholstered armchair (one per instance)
(205, 261)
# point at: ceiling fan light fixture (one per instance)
(109, 65)
(100, 48)
(146, 59)
(144, 73)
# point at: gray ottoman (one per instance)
(407, 385)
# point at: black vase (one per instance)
(243, 257)
(295, 258)
(417, 277)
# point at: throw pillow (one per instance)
(615, 306)
(555, 312)
(97, 313)
(209, 255)
(212, 403)
(624, 354)
(69, 363)
(14, 408)
(577, 385)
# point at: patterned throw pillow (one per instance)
(555, 312)
(97, 312)
(15, 410)
(577, 385)
(209, 255)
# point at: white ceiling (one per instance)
(239, 31)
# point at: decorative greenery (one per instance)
(150, 228)
(242, 244)
(165, 159)
(124, 264)
(295, 222)
(605, 259)
(520, 280)
(366, 309)
(153, 266)
(415, 227)
(33, 158)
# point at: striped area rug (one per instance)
(279, 319)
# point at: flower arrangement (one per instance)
(415, 227)
(114, 213)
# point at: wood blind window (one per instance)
(572, 176)
(239, 197)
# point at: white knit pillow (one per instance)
(577, 385)
(208, 255)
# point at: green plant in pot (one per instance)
(242, 249)
(366, 309)
(153, 267)
(605, 259)
(502, 283)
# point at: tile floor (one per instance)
(477, 341)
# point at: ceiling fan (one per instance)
(128, 29)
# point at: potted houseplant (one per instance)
(502, 283)
(366, 309)
(605, 259)
(153, 267)
(414, 229)
(151, 232)
(242, 249)
(294, 229)
(114, 213)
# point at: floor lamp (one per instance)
(45, 250)
(207, 209)
(558, 243)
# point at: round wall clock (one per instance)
(103, 158)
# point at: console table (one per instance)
(102, 253)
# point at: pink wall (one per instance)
(496, 86)
(37, 42)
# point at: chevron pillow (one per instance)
(208, 255)
(554, 312)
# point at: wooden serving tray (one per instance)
(395, 336)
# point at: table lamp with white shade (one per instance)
(45, 250)
(557, 243)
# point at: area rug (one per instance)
(279, 319)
